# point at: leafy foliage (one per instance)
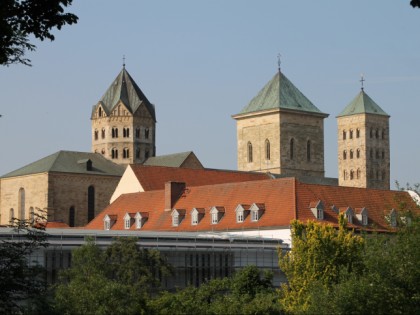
(319, 255)
(20, 19)
(118, 280)
(21, 280)
(245, 293)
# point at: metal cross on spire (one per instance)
(278, 61)
(123, 61)
(362, 80)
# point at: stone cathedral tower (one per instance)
(124, 123)
(281, 131)
(363, 144)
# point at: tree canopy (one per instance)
(21, 18)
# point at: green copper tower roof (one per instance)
(362, 104)
(125, 89)
(280, 93)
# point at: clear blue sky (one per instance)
(200, 62)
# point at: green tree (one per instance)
(115, 281)
(21, 278)
(21, 18)
(319, 255)
(244, 293)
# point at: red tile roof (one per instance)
(284, 200)
(154, 177)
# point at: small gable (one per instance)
(317, 208)
(217, 214)
(178, 216)
(197, 214)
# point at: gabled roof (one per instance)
(284, 200)
(362, 104)
(125, 89)
(154, 177)
(70, 162)
(280, 93)
(171, 160)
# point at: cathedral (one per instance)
(279, 133)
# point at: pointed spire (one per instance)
(124, 61)
(278, 61)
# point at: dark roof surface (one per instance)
(362, 104)
(70, 162)
(171, 160)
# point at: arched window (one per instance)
(114, 132)
(137, 132)
(11, 215)
(344, 155)
(126, 153)
(114, 153)
(91, 203)
(96, 134)
(351, 154)
(358, 153)
(103, 133)
(344, 135)
(383, 133)
(357, 133)
(308, 151)
(100, 111)
(71, 216)
(267, 149)
(146, 133)
(345, 175)
(126, 132)
(351, 174)
(371, 132)
(377, 133)
(292, 148)
(249, 152)
(103, 151)
(137, 153)
(358, 173)
(351, 133)
(21, 203)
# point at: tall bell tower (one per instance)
(124, 123)
(363, 144)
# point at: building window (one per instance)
(364, 219)
(107, 225)
(383, 134)
(214, 218)
(383, 155)
(351, 154)
(308, 151)
(357, 133)
(100, 111)
(141, 218)
(137, 132)
(146, 133)
(127, 223)
(114, 132)
(351, 134)
(103, 133)
(344, 135)
(358, 173)
(11, 215)
(194, 218)
(91, 203)
(137, 153)
(349, 217)
(377, 154)
(249, 152)
(21, 204)
(292, 148)
(71, 216)
(126, 132)
(114, 153)
(344, 155)
(254, 215)
(377, 133)
(371, 132)
(351, 174)
(239, 216)
(345, 175)
(96, 134)
(103, 151)
(126, 153)
(196, 215)
(358, 153)
(267, 149)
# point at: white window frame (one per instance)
(255, 216)
(364, 219)
(175, 220)
(240, 216)
(215, 217)
(127, 223)
(107, 224)
(194, 218)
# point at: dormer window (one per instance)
(177, 216)
(217, 214)
(242, 212)
(128, 220)
(348, 214)
(109, 221)
(141, 218)
(257, 210)
(317, 208)
(196, 215)
(391, 217)
(362, 215)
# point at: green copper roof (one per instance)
(70, 162)
(125, 89)
(280, 93)
(171, 160)
(362, 104)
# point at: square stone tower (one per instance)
(363, 144)
(281, 131)
(124, 123)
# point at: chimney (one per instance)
(173, 190)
